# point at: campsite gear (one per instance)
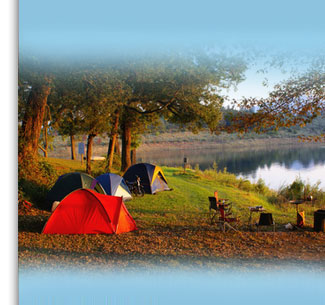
(114, 185)
(223, 208)
(319, 221)
(213, 209)
(217, 214)
(136, 188)
(226, 216)
(55, 205)
(256, 209)
(288, 226)
(85, 211)
(300, 219)
(300, 215)
(68, 183)
(297, 202)
(152, 177)
(219, 199)
(266, 219)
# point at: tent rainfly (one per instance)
(152, 177)
(68, 183)
(114, 185)
(87, 212)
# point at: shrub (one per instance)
(215, 166)
(35, 178)
(260, 187)
(245, 185)
(301, 190)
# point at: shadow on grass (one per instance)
(31, 223)
(34, 192)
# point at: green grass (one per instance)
(188, 203)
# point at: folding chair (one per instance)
(227, 217)
(213, 209)
(266, 219)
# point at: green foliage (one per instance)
(35, 178)
(260, 187)
(215, 166)
(299, 189)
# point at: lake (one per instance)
(276, 165)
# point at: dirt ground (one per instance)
(191, 246)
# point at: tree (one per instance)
(96, 108)
(184, 89)
(297, 101)
(33, 119)
(45, 136)
(65, 102)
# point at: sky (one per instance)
(103, 23)
(82, 27)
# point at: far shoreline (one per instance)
(175, 142)
(238, 144)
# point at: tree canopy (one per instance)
(127, 95)
(296, 101)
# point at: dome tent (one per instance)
(68, 183)
(87, 212)
(114, 185)
(152, 177)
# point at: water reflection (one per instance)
(283, 162)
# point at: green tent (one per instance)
(68, 183)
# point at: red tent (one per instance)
(87, 212)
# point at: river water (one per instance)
(277, 166)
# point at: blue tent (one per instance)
(114, 185)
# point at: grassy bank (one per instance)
(174, 227)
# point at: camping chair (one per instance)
(227, 217)
(213, 209)
(266, 219)
(214, 212)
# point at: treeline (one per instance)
(313, 128)
(121, 97)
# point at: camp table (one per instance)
(256, 209)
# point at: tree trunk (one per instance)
(90, 142)
(117, 147)
(112, 143)
(73, 147)
(126, 146)
(33, 120)
(46, 144)
(134, 156)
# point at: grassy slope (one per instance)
(188, 201)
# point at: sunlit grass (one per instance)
(188, 202)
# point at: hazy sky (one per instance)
(90, 27)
